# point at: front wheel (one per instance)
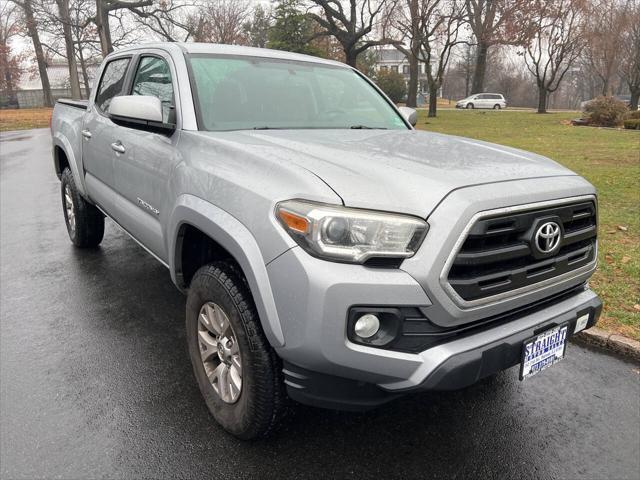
(238, 372)
(85, 223)
(469, 105)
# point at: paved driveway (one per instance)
(95, 380)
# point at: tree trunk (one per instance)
(85, 75)
(433, 100)
(63, 9)
(466, 86)
(412, 54)
(32, 30)
(606, 88)
(480, 68)
(102, 25)
(542, 99)
(635, 97)
(8, 79)
(412, 91)
(351, 56)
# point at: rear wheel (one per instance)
(237, 371)
(469, 105)
(496, 107)
(85, 223)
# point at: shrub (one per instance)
(633, 115)
(632, 124)
(391, 83)
(605, 112)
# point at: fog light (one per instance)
(367, 326)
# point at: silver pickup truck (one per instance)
(330, 253)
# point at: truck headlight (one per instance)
(349, 234)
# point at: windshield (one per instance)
(245, 93)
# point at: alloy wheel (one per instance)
(220, 352)
(70, 209)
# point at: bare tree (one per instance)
(10, 63)
(494, 22)
(222, 21)
(257, 30)
(406, 19)
(173, 20)
(225, 20)
(440, 24)
(606, 22)
(352, 25)
(63, 12)
(101, 20)
(630, 46)
(85, 37)
(31, 27)
(556, 42)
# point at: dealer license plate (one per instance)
(543, 351)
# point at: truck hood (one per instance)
(403, 171)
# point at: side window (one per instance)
(153, 77)
(111, 83)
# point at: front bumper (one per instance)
(323, 368)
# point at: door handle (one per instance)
(118, 147)
(86, 134)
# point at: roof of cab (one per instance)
(220, 49)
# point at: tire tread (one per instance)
(269, 404)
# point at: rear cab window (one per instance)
(111, 83)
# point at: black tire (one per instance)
(496, 107)
(469, 105)
(88, 229)
(260, 404)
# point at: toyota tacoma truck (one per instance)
(330, 253)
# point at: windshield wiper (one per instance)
(365, 127)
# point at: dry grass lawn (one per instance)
(608, 158)
(24, 118)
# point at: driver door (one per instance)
(142, 176)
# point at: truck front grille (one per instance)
(507, 251)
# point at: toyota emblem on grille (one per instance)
(547, 237)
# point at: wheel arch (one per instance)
(60, 160)
(220, 236)
(63, 156)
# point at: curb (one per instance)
(600, 338)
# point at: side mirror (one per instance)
(410, 115)
(139, 111)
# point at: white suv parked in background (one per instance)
(483, 100)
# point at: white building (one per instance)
(58, 73)
(390, 58)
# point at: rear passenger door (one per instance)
(483, 101)
(142, 176)
(98, 134)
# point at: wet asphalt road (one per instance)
(95, 380)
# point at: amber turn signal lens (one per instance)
(294, 222)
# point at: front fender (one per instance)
(232, 235)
